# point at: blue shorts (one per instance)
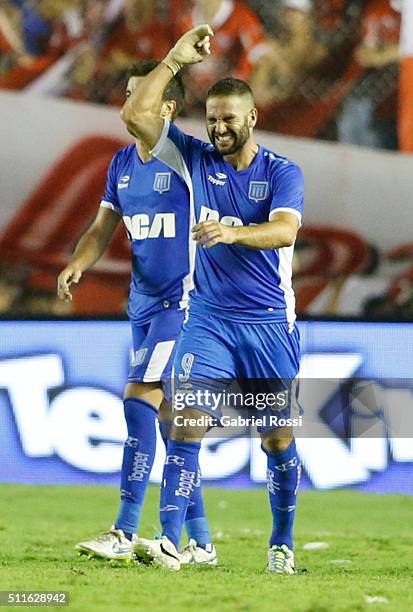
(213, 353)
(154, 346)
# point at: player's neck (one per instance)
(143, 151)
(241, 160)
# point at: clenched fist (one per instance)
(192, 48)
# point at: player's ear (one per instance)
(168, 109)
(252, 118)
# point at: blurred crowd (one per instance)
(25, 293)
(319, 68)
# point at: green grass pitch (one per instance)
(373, 534)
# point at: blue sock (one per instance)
(138, 458)
(196, 522)
(179, 474)
(283, 478)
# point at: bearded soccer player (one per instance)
(248, 206)
(154, 205)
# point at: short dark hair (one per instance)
(175, 90)
(230, 87)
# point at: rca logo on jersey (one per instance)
(124, 182)
(220, 179)
(258, 190)
(162, 182)
(140, 226)
(209, 214)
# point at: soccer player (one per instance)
(248, 206)
(154, 205)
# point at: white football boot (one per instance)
(192, 554)
(280, 560)
(110, 545)
(161, 552)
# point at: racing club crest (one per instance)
(162, 182)
(258, 190)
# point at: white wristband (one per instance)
(173, 66)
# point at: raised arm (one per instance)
(89, 249)
(140, 112)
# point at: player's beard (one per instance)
(239, 140)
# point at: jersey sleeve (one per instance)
(110, 198)
(178, 150)
(288, 191)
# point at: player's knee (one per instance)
(277, 441)
(150, 392)
(189, 425)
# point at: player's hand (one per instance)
(192, 48)
(209, 233)
(71, 274)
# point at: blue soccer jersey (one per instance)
(156, 210)
(236, 282)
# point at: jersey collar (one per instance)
(139, 160)
(255, 161)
